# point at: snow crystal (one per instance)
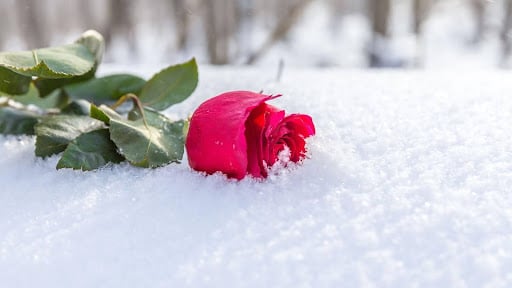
(407, 184)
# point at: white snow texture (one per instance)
(408, 184)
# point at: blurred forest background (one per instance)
(318, 33)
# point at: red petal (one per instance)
(262, 120)
(291, 133)
(301, 124)
(216, 138)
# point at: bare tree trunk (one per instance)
(181, 19)
(32, 23)
(505, 33)
(220, 24)
(420, 12)
(281, 30)
(120, 23)
(380, 11)
(245, 18)
(506, 30)
(478, 7)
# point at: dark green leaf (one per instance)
(54, 62)
(13, 83)
(47, 86)
(104, 113)
(151, 143)
(57, 62)
(17, 122)
(106, 89)
(56, 131)
(90, 151)
(95, 44)
(170, 86)
(77, 107)
(54, 100)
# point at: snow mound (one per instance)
(408, 185)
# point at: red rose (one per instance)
(237, 133)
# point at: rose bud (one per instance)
(237, 133)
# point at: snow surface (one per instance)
(409, 184)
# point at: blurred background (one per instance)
(419, 34)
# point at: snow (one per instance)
(408, 184)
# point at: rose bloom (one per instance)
(237, 133)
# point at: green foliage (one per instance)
(13, 83)
(77, 107)
(106, 89)
(95, 44)
(148, 139)
(55, 132)
(53, 63)
(17, 121)
(57, 62)
(170, 86)
(104, 113)
(54, 100)
(90, 151)
(53, 93)
(48, 86)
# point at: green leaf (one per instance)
(56, 131)
(47, 86)
(90, 151)
(95, 44)
(17, 122)
(104, 113)
(54, 62)
(77, 107)
(170, 86)
(106, 89)
(54, 100)
(149, 141)
(13, 83)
